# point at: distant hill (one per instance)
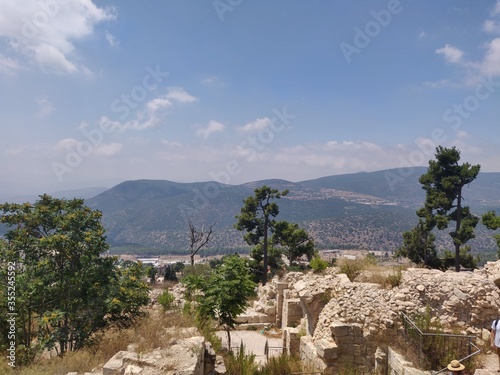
(84, 193)
(366, 210)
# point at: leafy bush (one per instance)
(166, 300)
(352, 268)
(241, 363)
(318, 264)
(395, 279)
(282, 365)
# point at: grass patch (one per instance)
(154, 330)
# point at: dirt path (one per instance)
(254, 342)
(490, 362)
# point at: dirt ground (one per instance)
(254, 342)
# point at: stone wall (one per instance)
(342, 320)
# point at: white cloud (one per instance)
(209, 80)
(491, 62)
(110, 149)
(45, 107)
(337, 157)
(16, 150)
(72, 145)
(158, 103)
(450, 53)
(44, 32)
(212, 127)
(149, 116)
(52, 60)
(170, 143)
(178, 94)
(443, 83)
(349, 145)
(111, 39)
(139, 123)
(257, 125)
(496, 9)
(9, 66)
(492, 27)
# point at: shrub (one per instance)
(166, 300)
(352, 268)
(318, 264)
(282, 365)
(241, 363)
(395, 279)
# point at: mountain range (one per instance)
(368, 210)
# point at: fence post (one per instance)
(266, 350)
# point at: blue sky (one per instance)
(96, 92)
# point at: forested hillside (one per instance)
(361, 210)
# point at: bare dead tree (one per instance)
(198, 238)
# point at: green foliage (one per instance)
(223, 293)
(492, 221)
(436, 348)
(128, 294)
(166, 300)
(443, 183)
(198, 269)
(419, 246)
(215, 262)
(274, 261)
(226, 293)
(394, 279)
(295, 241)
(318, 264)
(257, 218)
(352, 268)
(241, 363)
(467, 260)
(151, 273)
(66, 290)
(170, 273)
(281, 365)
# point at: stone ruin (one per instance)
(332, 322)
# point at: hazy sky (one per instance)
(95, 92)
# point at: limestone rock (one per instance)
(186, 357)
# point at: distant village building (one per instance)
(155, 262)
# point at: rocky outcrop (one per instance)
(188, 356)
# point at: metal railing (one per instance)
(442, 345)
(269, 351)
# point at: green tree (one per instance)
(419, 246)
(226, 293)
(443, 183)
(294, 240)
(257, 218)
(274, 261)
(65, 283)
(492, 221)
